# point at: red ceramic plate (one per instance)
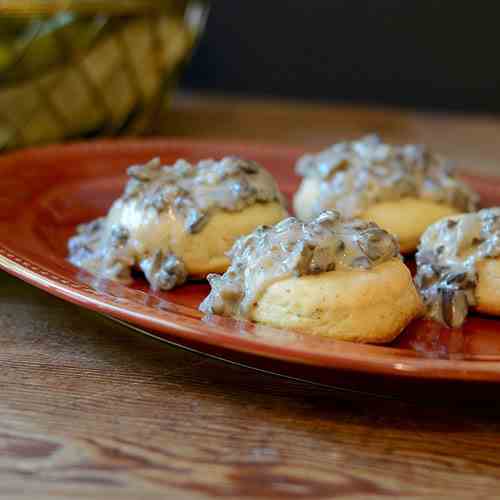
(45, 193)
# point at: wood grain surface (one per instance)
(89, 409)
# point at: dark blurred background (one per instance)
(430, 54)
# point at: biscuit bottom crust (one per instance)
(406, 218)
(369, 306)
(488, 286)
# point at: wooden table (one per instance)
(89, 409)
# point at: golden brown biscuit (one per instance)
(458, 266)
(202, 252)
(328, 277)
(370, 306)
(403, 189)
(407, 218)
(175, 222)
(488, 287)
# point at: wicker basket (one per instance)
(74, 74)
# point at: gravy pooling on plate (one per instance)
(190, 194)
(447, 262)
(294, 248)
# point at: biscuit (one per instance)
(202, 252)
(330, 277)
(175, 222)
(369, 306)
(403, 189)
(406, 218)
(488, 287)
(458, 266)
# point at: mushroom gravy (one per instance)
(188, 193)
(293, 248)
(446, 262)
(355, 175)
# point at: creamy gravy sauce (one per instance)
(185, 192)
(355, 175)
(194, 191)
(293, 248)
(446, 262)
